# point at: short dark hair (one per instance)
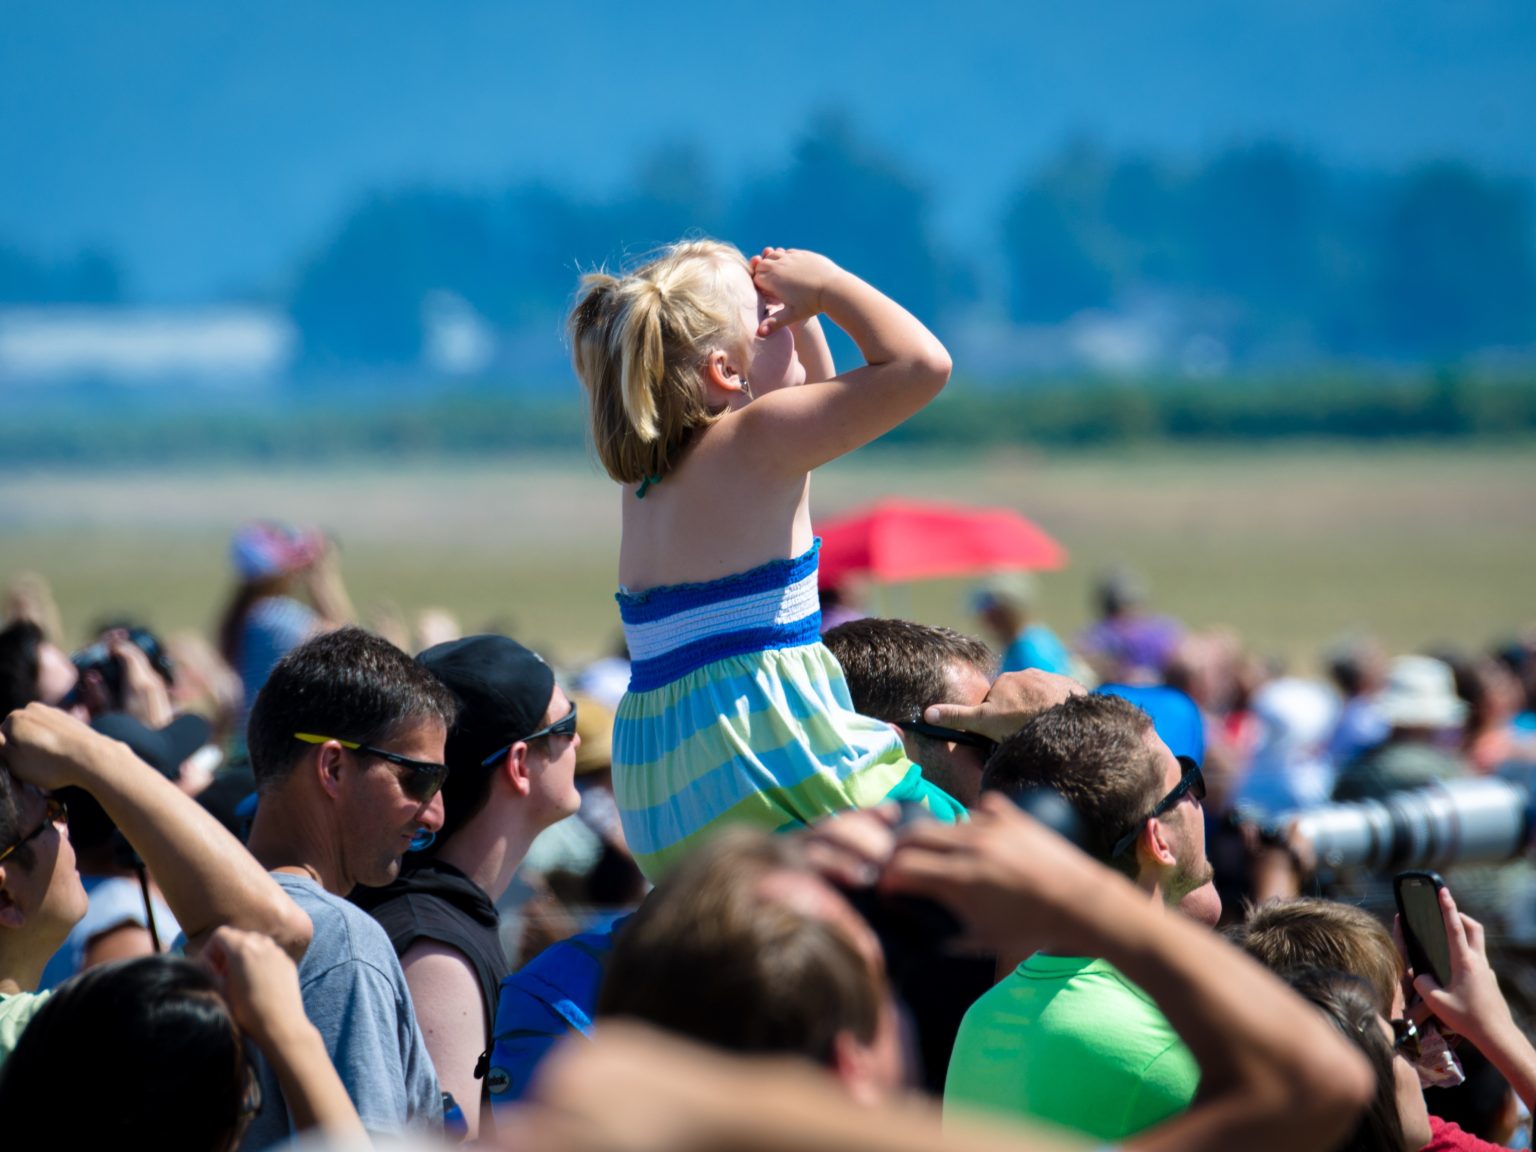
(349, 684)
(19, 665)
(706, 956)
(1091, 749)
(896, 668)
(183, 1087)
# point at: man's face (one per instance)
(48, 890)
(552, 764)
(1191, 887)
(378, 817)
(956, 768)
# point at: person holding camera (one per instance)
(125, 670)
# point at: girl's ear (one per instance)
(722, 375)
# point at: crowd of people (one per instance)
(746, 883)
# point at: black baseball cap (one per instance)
(503, 691)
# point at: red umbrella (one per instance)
(897, 540)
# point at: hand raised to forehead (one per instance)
(1014, 699)
(47, 747)
(795, 277)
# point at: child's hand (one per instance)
(1471, 1004)
(794, 277)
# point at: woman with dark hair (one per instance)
(1397, 1119)
(151, 1053)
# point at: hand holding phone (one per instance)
(1466, 999)
(1423, 923)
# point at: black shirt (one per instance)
(435, 901)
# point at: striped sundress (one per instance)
(737, 713)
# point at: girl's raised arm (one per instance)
(797, 429)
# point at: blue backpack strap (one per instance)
(552, 996)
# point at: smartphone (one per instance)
(1418, 902)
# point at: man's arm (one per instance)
(635, 1089)
(206, 876)
(261, 987)
(1274, 1074)
(366, 1028)
(446, 995)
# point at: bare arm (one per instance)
(639, 1090)
(1262, 1087)
(145, 696)
(327, 591)
(205, 874)
(261, 986)
(814, 352)
(447, 998)
(797, 429)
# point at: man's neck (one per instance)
(1008, 961)
(489, 849)
(283, 840)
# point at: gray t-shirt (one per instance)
(356, 995)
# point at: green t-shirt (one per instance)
(16, 1013)
(1071, 1042)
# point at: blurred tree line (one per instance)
(1273, 251)
(1280, 257)
(1429, 264)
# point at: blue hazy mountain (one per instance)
(209, 147)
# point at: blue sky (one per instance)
(209, 145)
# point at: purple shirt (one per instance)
(1132, 643)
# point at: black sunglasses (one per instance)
(56, 812)
(951, 735)
(1405, 1038)
(424, 777)
(1193, 781)
(565, 726)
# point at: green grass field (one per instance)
(1289, 546)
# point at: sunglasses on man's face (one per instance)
(421, 779)
(565, 726)
(1192, 783)
(55, 812)
(948, 735)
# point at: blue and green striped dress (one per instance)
(737, 713)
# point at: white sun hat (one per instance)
(1421, 693)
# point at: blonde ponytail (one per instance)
(638, 344)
